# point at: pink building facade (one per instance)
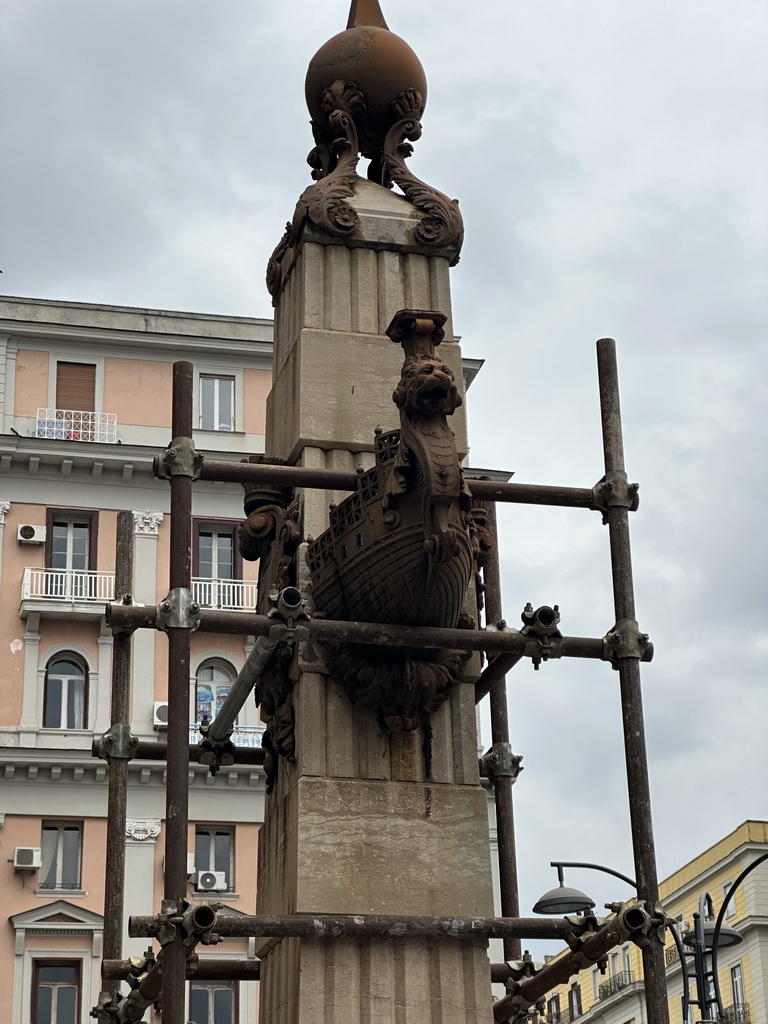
(85, 402)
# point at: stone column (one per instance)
(355, 825)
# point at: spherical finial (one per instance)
(381, 66)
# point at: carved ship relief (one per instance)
(402, 548)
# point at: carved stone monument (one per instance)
(375, 804)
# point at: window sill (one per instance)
(70, 894)
(211, 894)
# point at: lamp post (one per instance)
(705, 938)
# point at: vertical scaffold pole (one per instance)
(117, 755)
(505, 820)
(617, 518)
(177, 792)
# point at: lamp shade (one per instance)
(563, 900)
(727, 937)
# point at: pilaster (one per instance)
(146, 532)
(141, 836)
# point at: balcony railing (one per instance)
(75, 425)
(738, 1013)
(67, 585)
(229, 595)
(242, 735)
(615, 984)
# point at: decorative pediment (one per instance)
(58, 917)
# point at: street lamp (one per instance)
(705, 938)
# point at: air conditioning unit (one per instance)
(29, 534)
(211, 881)
(27, 858)
(160, 714)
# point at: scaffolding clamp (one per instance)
(542, 626)
(500, 763)
(195, 921)
(615, 491)
(179, 459)
(178, 611)
(626, 641)
(118, 741)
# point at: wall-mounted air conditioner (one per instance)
(211, 881)
(29, 534)
(160, 714)
(27, 858)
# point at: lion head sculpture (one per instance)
(427, 388)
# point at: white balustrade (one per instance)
(67, 585)
(76, 425)
(229, 595)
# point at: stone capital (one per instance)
(146, 522)
(5, 507)
(142, 829)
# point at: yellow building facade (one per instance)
(616, 996)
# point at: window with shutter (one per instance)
(76, 386)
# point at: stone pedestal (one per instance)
(354, 825)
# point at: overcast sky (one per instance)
(610, 158)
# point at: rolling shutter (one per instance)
(76, 386)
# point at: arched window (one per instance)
(66, 693)
(213, 683)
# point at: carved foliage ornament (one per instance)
(340, 136)
(147, 522)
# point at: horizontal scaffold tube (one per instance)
(509, 641)
(236, 970)
(337, 480)
(335, 926)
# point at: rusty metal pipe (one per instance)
(636, 755)
(338, 480)
(177, 793)
(203, 970)
(494, 673)
(157, 750)
(502, 785)
(510, 641)
(334, 926)
(289, 603)
(114, 871)
(631, 921)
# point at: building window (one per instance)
(627, 953)
(553, 1010)
(60, 846)
(217, 402)
(595, 984)
(70, 549)
(731, 911)
(66, 693)
(216, 553)
(214, 851)
(56, 992)
(212, 1003)
(213, 683)
(737, 985)
(574, 1000)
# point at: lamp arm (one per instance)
(594, 867)
(719, 923)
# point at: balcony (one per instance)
(242, 735)
(75, 425)
(66, 593)
(228, 595)
(615, 984)
(738, 1013)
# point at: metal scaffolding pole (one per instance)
(502, 784)
(116, 747)
(629, 645)
(177, 793)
